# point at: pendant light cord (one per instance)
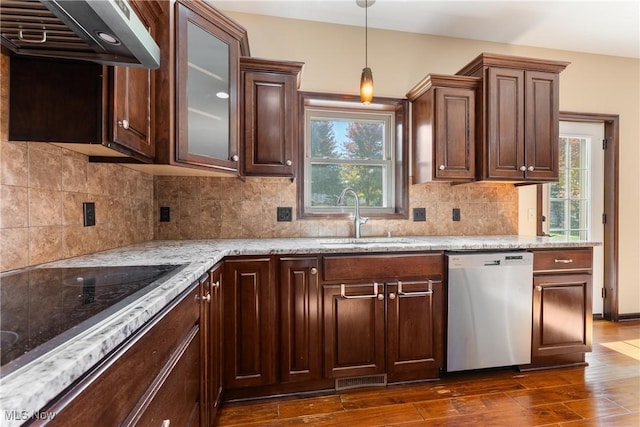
(366, 33)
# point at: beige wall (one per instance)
(334, 58)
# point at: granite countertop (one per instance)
(30, 387)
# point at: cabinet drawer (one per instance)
(562, 260)
(382, 266)
(129, 370)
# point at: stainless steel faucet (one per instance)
(357, 219)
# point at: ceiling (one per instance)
(602, 27)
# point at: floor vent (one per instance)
(357, 382)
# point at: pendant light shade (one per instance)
(366, 86)
(366, 79)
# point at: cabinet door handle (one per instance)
(441, 167)
(539, 288)
(530, 168)
(288, 163)
(235, 158)
(523, 168)
(205, 298)
(216, 285)
(373, 295)
(313, 270)
(166, 423)
(123, 123)
(420, 293)
(563, 261)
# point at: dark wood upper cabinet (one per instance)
(517, 117)
(269, 116)
(133, 95)
(104, 111)
(443, 128)
(207, 76)
(198, 98)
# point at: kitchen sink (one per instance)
(380, 241)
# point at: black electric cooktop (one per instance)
(42, 307)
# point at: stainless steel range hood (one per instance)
(104, 31)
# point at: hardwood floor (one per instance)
(606, 393)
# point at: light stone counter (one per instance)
(26, 390)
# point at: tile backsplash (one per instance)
(42, 188)
(212, 207)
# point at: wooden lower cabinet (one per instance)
(415, 329)
(354, 330)
(175, 395)
(562, 314)
(300, 327)
(212, 356)
(250, 322)
(392, 325)
(562, 307)
(154, 376)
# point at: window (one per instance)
(347, 144)
(573, 205)
(569, 197)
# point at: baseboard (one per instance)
(628, 317)
(598, 316)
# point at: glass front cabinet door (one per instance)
(208, 48)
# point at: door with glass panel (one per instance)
(573, 207)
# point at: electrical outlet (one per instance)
(284, 214)
(456, 214)
(419, 214)
(165, 214)
(89, 214)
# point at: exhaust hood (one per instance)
(104, 31)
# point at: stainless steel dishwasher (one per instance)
(489, 309)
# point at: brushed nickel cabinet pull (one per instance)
(417, 294)
(563, 261)
(373, 295)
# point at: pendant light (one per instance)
(366, 80)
